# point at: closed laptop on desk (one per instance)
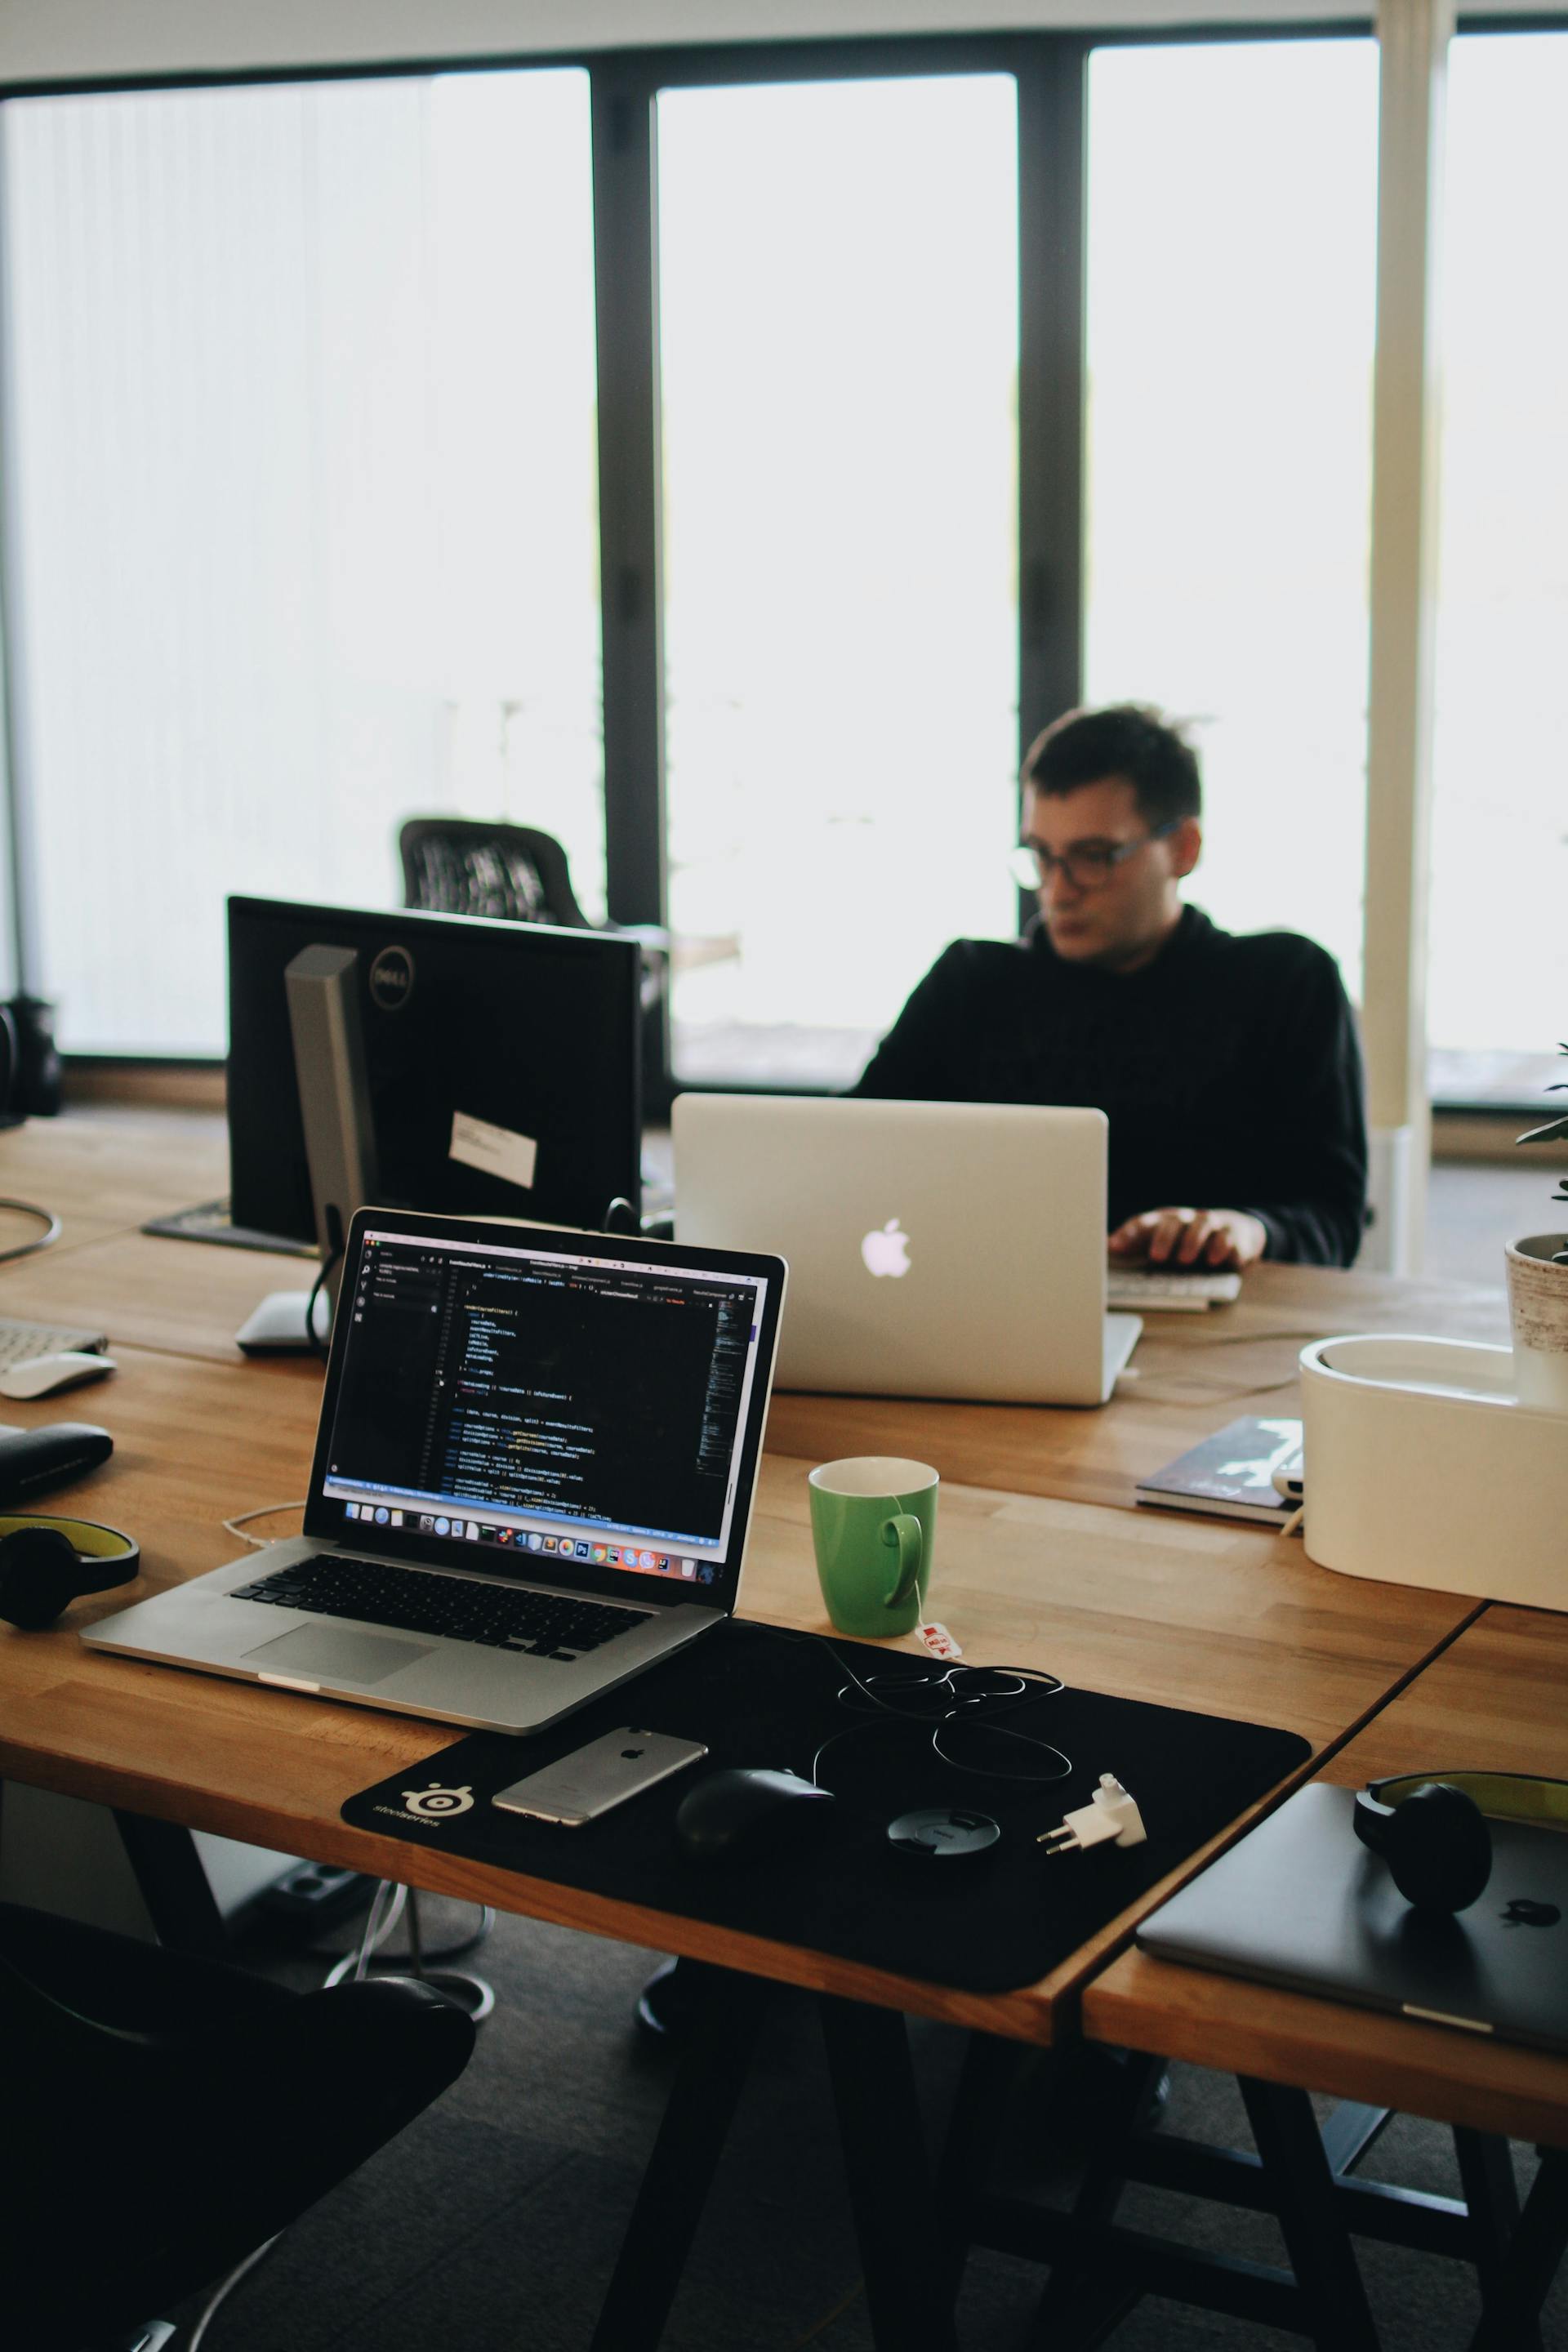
(1298, 1901)
(935, 1249)
(533, 1477)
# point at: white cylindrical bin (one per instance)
(1421, 1467)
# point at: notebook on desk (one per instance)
(533, 1477)
(935, 1249)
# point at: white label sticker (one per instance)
(495, 1149)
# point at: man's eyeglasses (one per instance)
(1087, 865)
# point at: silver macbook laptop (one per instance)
(935, 1249)
(1300, 1902)
(533, 1477)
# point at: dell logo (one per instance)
(392, 979)
(886, 1250)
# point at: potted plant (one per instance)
(1537, 1296)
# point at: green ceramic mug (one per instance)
(873, 1522)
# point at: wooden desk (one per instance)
(1189, 1374)
(1041, 1561)
(105, 1170)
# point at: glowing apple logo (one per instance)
(887, 1250)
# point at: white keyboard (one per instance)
(20, 1342)
(1166, 1294)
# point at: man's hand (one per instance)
(1227, 1239)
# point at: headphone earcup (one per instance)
(1439, 1848)
(40, 1574)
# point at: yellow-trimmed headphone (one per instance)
(1430, 1828)
(46, 1564)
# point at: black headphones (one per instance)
(1430, 1828)
(46, 1564)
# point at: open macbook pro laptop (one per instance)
(935, 1249)
(533, 1477)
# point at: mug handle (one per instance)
(904, 1530)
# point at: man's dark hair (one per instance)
(1125, 740)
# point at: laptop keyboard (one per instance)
(535, 1624)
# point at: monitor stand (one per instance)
(277, 1326)
(334, 1110)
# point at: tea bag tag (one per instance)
(938, 1640)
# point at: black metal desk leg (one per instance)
(883, 2137)
(990, 2068)
(1491, 2201)
(1537, 2248)
(1086, 2294)
(1304, 2197)
(169, 1876)
(675, 2186)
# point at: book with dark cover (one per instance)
(1230, 1474)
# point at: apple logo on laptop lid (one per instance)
(885, 1250)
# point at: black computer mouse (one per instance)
(742, 1811)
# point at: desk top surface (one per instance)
(1041, 1558)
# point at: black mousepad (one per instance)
(756, 1695)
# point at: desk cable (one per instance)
(946, 1698)
(225, 2288)
(49, 1220)
(328, 1266)
(236, 1525)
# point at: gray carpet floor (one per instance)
(491, 2224)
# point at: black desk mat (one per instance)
(756, 1695)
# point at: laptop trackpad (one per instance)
(330, 1652)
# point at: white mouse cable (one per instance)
(51, 1232)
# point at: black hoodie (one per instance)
(1228, 1067)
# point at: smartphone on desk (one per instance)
(579, 1788)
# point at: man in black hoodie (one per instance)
(1228, 1065)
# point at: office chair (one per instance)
(458, 865)
(165, 2116)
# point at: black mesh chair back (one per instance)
(462, 866)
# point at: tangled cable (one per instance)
(959, 1703)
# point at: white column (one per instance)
(1413, 45)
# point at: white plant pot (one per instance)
(1538, 1312)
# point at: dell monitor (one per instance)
(500, 1060)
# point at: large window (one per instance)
(1232, 211)
(329, 401)
(303, 447)
(838, 340)
(1498, 984)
